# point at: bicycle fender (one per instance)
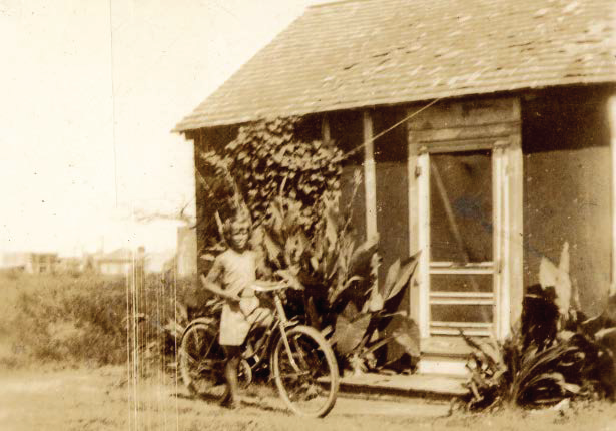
(209, 321)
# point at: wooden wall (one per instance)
(392, 183)
(567, 188)
(346, 130)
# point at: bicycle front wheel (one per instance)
(202, 361)
(306, 373)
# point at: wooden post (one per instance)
(612, 122)
(423, 207)
(413, 199)
(325, 130)
(514, 241)
(370, 178)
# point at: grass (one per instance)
(103, 399)
(87, 319)
(86, 322)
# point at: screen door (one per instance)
(461, 279)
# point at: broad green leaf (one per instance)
(404, 276)
(392, 275)
(272, 249)
(360, 260)
(378, 344)
(350, 311)
(405, 333)
(350, 333)
(558, 277)
(348, 283)
(376, 302)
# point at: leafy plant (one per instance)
(267, 159)
(557, 352)
(340, 294)
(510, 374)
(360, 333)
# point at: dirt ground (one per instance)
(104, 399)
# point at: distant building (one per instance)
(70, 265)
(118, 262)
(155, 263)
(33, 263)
(186, 259)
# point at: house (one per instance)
(157, 262)
(71, 265)
(186, 260)
(32, 263)
(486, 131)
(117, 262)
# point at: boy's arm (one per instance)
(210, 282)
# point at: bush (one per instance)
(556, 352)
(269, 158)
(88, 319)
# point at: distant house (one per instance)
(487, 138)
(118, 262)
(157, 262)
(186, 260)
(33, 263)
(71, 265)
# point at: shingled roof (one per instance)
(358, 53)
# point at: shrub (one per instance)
(268, 158)
(87, 319)
(340, 291)
(557, 353)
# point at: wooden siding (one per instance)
(567, 188)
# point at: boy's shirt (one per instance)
(236, 275)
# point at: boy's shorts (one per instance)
(237, 319)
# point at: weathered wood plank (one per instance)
(465, 113)
(370, 177)
(466, 133)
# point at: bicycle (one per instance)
(301, 361)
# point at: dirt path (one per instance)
(103, 400)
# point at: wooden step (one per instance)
(442, 366)
(444, 355)
(414, 385)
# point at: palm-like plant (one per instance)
(510, 374)
(557, 352)
(341, 294)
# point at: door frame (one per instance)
(450, 127)
(499, 193)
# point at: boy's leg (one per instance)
(231, 366)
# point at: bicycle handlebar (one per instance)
(280, 286)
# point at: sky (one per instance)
(90, 91)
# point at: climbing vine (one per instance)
(268, 159)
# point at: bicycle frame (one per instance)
(298, 358)
(281, 323)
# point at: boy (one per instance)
(231, 277)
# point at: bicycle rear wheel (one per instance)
(202, 362)
(308, 378)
